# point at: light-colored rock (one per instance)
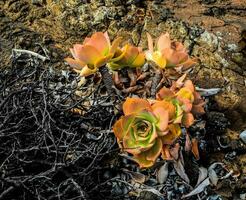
(208, 40)
(243, 136)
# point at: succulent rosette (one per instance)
(145, 128)
(167, 53)
(187, 100)
(128, 56)
(95, 52)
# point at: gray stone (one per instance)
(208, 40)
(243, 136)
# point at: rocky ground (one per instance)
(213, 30)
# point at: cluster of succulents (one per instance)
(149, 127)
(97, 51)
(167, 53)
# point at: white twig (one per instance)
(43, 58)
(208, 92)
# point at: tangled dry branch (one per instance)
(47, 151)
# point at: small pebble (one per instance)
(243, 196)
(243, 136)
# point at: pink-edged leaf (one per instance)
(178, 46)
(164, 93)
(177, 57)
(106, 36)
(150, 43)
(88, 54)
(99, 42)
(121, 127)
(73, 53)
(135, 105)
(167, 53)
(187, 64)
(163, 42)
(77, 64)
(188, 120)
(188, 84)
(115, 45)
(163, 118)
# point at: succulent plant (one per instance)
(168, 53)
(95, 52)
(145, 128)
(128, 56)
(187, 99)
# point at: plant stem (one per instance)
(107, 79)
(155, 81)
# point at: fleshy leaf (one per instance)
(131, 54)
(133, 146)
(102, 61)
(135, 105)
(198, 104)
(99, 42)
(139, 61)
(107, 37)
(162, 114)
(187, 64)
(164, 93)
(174, 133)
(150, 42)
(142, 161)
(186, 94)
(129, 142)
(128, 56)
(147, 158)
(188, 84)
(122, 126)
(159, 59)
(186, 104)
(163, 42)
(187, 120)
(86, 71)
(155, 151)
(167, 106)
(178, 113)
(166, 153)
(115, 45)
(87, 54)
(95, 52)
(77, 64)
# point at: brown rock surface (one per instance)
(214, 31)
